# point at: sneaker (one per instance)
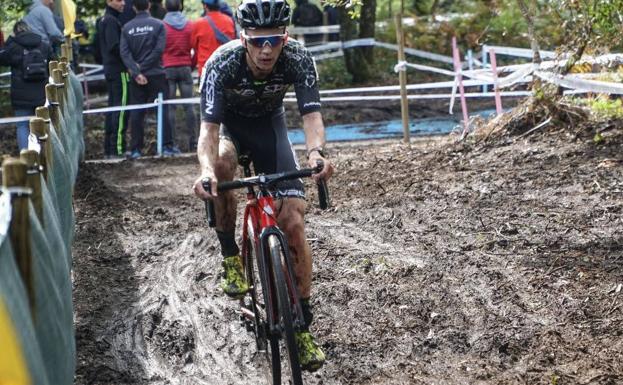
(171, 151)
(135, 154)
(311, 356)
(234, 282)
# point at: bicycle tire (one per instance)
(285, 308)
(267, 344)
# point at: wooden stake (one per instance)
(57, 76)
(14, 178)
(64, 67)
(31, 158)
(52, 65)
(402, 77)
(52, 95)
(37, 128)
(44, 113)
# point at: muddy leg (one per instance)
(225, 203)
(291, 221)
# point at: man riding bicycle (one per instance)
(242, 89)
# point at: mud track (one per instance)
(439, 264)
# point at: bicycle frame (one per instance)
(261, 211)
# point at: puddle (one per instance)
(387, 129)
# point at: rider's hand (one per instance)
(200, 191)
(327, 170)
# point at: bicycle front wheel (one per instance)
(267, 343)
(282, 291)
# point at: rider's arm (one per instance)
(314, 143)
(207, 152)
(314, 132)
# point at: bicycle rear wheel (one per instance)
(282, 290)
(267, 344)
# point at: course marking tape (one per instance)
(120, 108)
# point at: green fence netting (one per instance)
(46, 332)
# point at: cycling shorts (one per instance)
(265, 140)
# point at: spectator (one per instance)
(117, 78)
(210, 31)
(178, 64)
(332, 19)
(41, 20)
(307, 15)
(157, 10)
(142, 43)
(28, 56)
(128, 12)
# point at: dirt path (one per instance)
(440, 264)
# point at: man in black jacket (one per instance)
(117, 78)
(142, 43)
(27, 92)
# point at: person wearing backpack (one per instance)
(210, 31)
(28, 56)
(41, 20)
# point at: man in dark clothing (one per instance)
(307, 15)
(117, 78)
(156, 10)
(128, 12)
(142, 43)
(27, 92)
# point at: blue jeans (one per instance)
(23, 128)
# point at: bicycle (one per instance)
(271, 308)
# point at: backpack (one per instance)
(34, 65)
(309, 15)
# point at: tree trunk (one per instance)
(356, 65)
(366, 27)
(534, 44)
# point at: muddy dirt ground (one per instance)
(442, 263)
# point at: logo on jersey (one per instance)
(209, 91)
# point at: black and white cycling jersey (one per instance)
(227, 85)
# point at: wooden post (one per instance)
(70, 49)
(52, 65)
(64, 52)
(55, 117)
(31, 158)
(494, 69)
(37, 128)
(57, 75)
(14, 178)
(402, 77)
(457, 68)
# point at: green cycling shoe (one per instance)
(311, 357)
(234, 282)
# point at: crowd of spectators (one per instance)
(143, 56)
(145, 47)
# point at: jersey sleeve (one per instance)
(212, 96)
(306, 81)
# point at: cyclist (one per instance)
(242, 89)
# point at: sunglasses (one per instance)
(261, 41)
